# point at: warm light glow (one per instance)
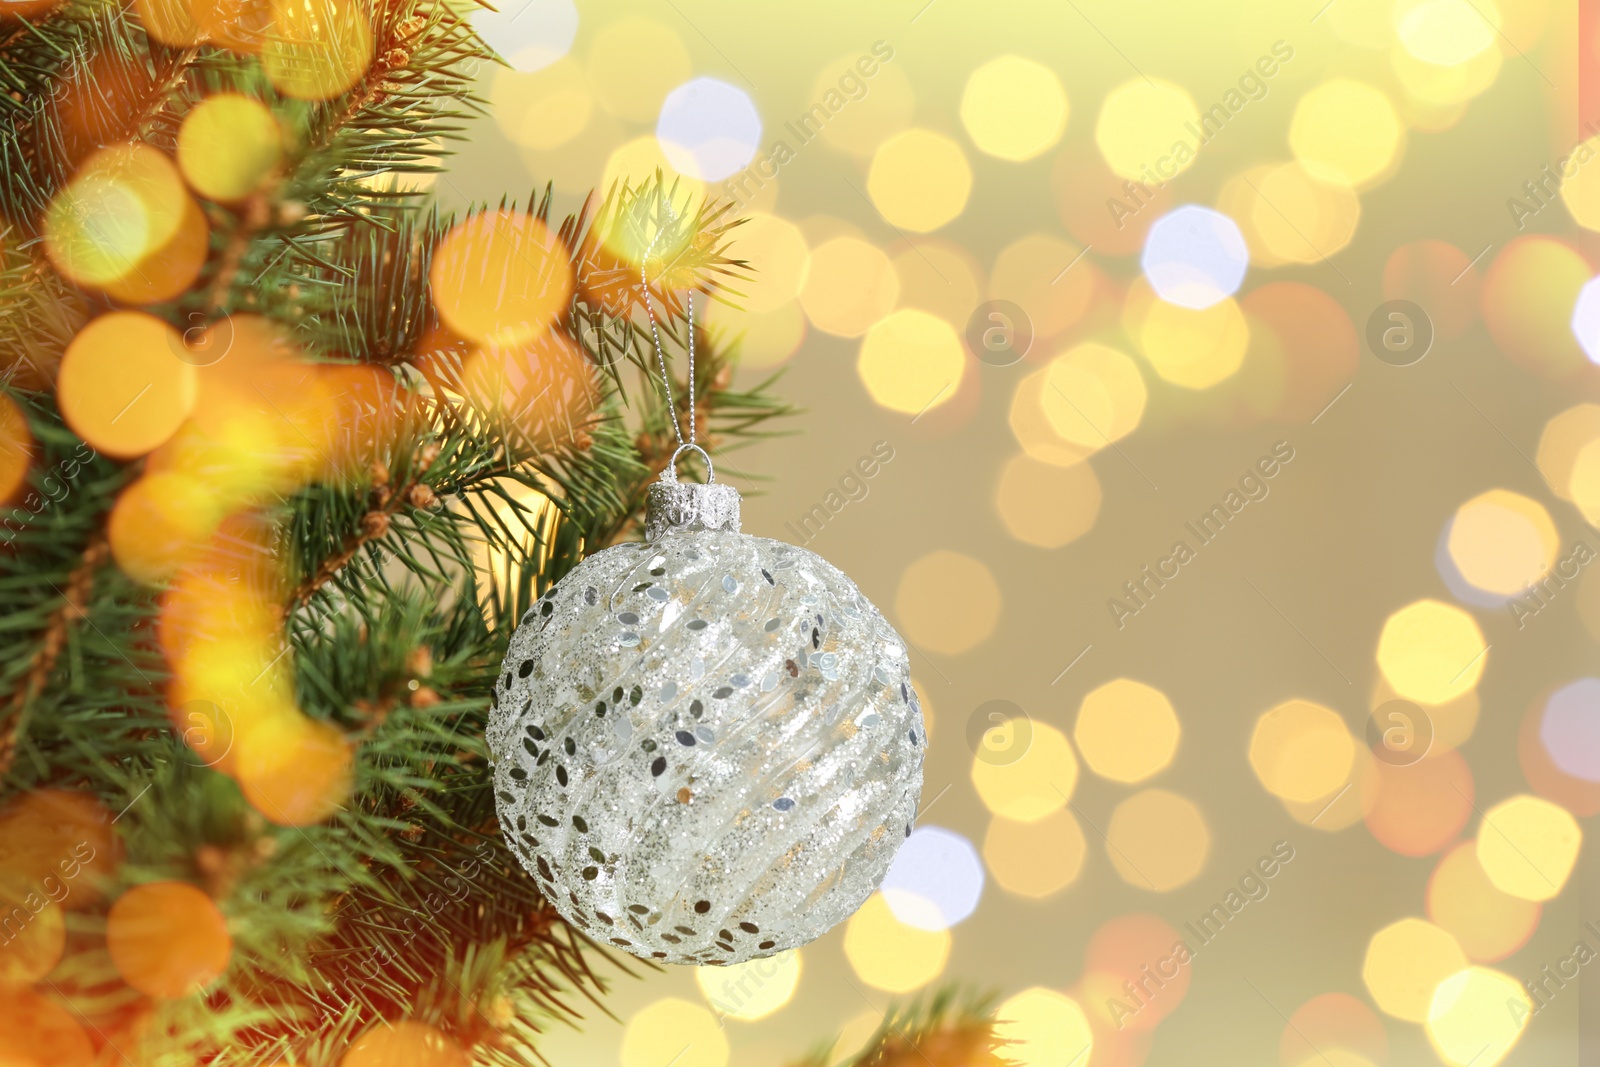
(911, 361)
(1035, 859)
(1047, 505)
(1145, 130)
(1528, 847)
(1405, 961)
(751, 990)
(1126, 730)
(890, 955)
(947, 602)
(850, 285)
(1431, 652)
(1033, 786)
(1301, 751)
(228, 145)
(1346, 131)
(919, 180)
(1476, 1016)
(1043, 1028)
(1014, 108)
(122, 386)
(500, 277)
(168, 939)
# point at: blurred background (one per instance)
(1207, 392)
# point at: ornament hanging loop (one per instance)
(670, 472)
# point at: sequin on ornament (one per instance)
(715, 735)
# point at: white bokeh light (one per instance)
(1570, 729)
(1195, 257)
(529, 34)
(1586, 319)
(708, 129)
(936, 879)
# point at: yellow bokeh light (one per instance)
(1431, 652)
(911, 361)
(1301, 751)
(637, 162)
(1476, 1016)
(1033, 428)
(1528, 847)
(1405, 962)
(1043, 1028)
(1093, 395)
(1033, 786)
(1145, 130)
(1158, 840)
(947, 602)
(1046, 504)
(887, 954)
(160, 522)
(674, 1033)
(1488, 923)
(1035, 859)
(1289, 216)
(1346, 131)
(544, 109)
(1347, 806)
(853, 1038)
(294, 770)
(16, 447)
(751, 990)
(228, 145)
(1014, 108)
(124, 203)
(874, 102)
(776, 251)
(501, 277)
(1363, 23)
(919, 180)
(633, 64)
(1447, 32)
(1048, 278)
(1194, 349)
(1502, 541)
(762, 339)
(1126, 730)
(1581, 191)
(317, 48)
(1585, 482)
(939, 277)
(122, 386)
(1442, 89)
(1565, 436)
(850, 285)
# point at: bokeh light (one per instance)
(1586, 319)
(1043, 1028)
(890, 955)
(939, 277)
(1194, 257)
(1144, 130)
(412, 1043)
(1488, 924)
(1141, 949)
(674, 1033)
(1288, 215)
(295, 771)
(763, 338)
(35, 1030)
(1127, 730)
(936, 879)
(1528, 295)
(35, 945)
(776, 251)
(1194, 349)
(1447, 32)
(881, 102)
(1033, 786)
(947, 602)
(1346, 131)
(709, 129)
(1476, 1015)
(1563, 441)
(16, 447)
(124, 203)
(1405, 962)
(1501, 541)
(1301, 751)
(1420, 808)
(1438, 276)
(1528, 847)
(1431, 652)
(545, 110)
(1014, 108)
(753, 989)
(1158, 840)
(1035, 859)
(122, 385)
(1047, 505)
(168, 939)
(529, 35)
(1101, 208)
(911, 361)
(1303, 351)
(1570, 728)
(228, 145)
(1332, 1023)
(850, 285)
(919, 180)
(501, 277)
(317, 48)
(1050, 279)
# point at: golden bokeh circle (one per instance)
(1014, 108)
(1528, 847)
(850, 285)
(1502, 542)
(1301, 751)
(1405, 962)
(1127, 730)
(673, 1032)
(911, 361)
(919, 180)
(887, 954)
(122, 386)
(1158, 840)
(947, 602)
(1035, 859)
(1431, 652)
(228, 145)
(1047, 505)
(1347, 132)
(1043, 1028)
(1033, 786)
(1143, 130)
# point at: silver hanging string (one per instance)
(661, 357)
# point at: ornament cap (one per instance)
(672, 506)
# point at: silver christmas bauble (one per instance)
(706, 745)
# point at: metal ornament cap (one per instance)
(671, 505)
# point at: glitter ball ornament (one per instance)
(706, 745)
